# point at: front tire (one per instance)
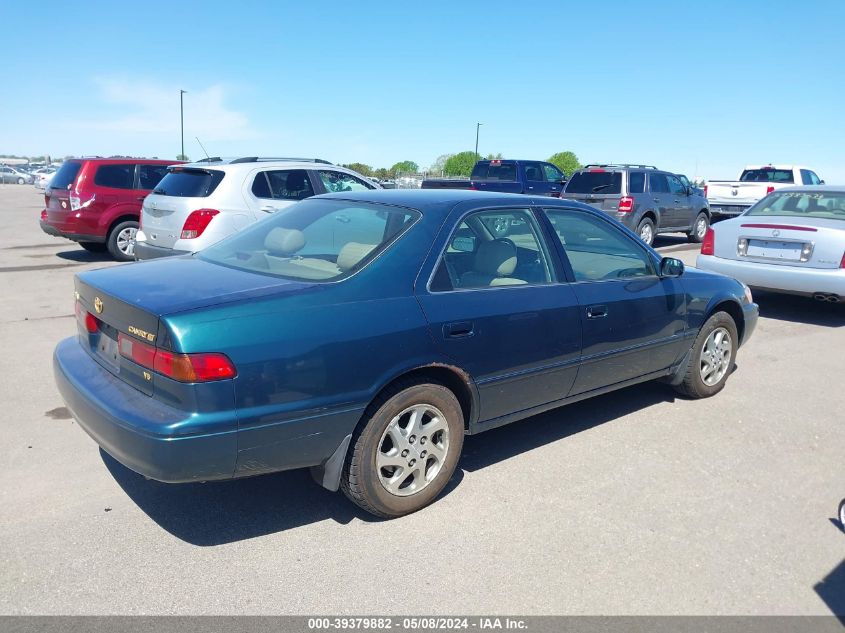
(712, 357)
(699, 229)
(121, 241)
(21, 181)
(405, 451)
(645, 229)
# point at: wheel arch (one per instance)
(732, 307)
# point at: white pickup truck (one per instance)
(732, 197)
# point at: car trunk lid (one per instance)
(788, 241)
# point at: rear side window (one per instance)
(494, 171)
(150, 175)
(115, 176)
(189, 183)
(601, 182)
(283, 184)
(657, 183)
(66, 175)
(636, 182)
(767, 174)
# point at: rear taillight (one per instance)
(44, 215)
(182, 367)
(842, 262)
(626, 204)
(86, 319)
(197, 222)
(769, 190)
(705, 191)
(708, 244)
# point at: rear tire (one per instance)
(645, 231)
(93, 247)
(712, 357)
(699, 229)
(121, 241)
(405, 450)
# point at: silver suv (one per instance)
(198, 204)
(645, 199)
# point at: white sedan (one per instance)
(43, 176)
(791, 241)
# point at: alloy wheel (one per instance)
(412, 450)
(715, 357)
(126, 241)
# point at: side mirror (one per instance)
(671, 267)
(464, 244)
(821, 182)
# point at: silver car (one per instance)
(11, 175)
(791, 241)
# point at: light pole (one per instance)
(477, 126)
(182, 122)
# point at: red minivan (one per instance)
(97, 201)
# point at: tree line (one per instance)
(458, 165)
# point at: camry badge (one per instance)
(775, 233)
(98, 305)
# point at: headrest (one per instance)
(284, 242)
(351, 254)
(496, 257)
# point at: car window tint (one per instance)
(261, 186)
(317, 240)
(675, 186)
(657, 183)
(189, 183)
(66, 174)
(636, 182)
(596, 250)
(495, 170)
(595, 181)
(290, 184)
(115, 176)
(497, 248)
(553, 174)
(801, 204)
(335, 181)
(533, 171)
(767, 174)
(814, 179)
(150, 175)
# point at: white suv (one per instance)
(198, 204)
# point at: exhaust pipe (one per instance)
(827, 297)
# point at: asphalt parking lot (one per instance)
(637, 502)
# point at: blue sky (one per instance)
(700, 90)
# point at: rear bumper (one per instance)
(726, 209)
(137, 430)
(780, 278)
(76, 237)
(144, 250)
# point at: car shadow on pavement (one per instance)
(799, 309)
(831, 589)
(220, 512)
(505, 442)
(81, 255)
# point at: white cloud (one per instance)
(146, 108)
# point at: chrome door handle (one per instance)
(656, 199)
(461, 329)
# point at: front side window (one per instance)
(335, 181)
(801, 204)
(675, 186)
(499, 247)
(553, 174)
(596, 250)
(533, 171)
(316, 240)
(115, 176)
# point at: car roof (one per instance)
(779, 166)
(121, 160)
(229, 166)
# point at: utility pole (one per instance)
(182, 122)
(477, 126)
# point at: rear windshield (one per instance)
(801, 204)
(189, 183)
(316, 240)
(603, 182)
(66, 175)
(767, 175)
(494, 171)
